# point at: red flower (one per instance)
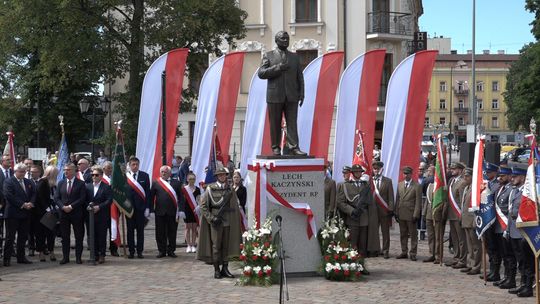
(327, 258)
(266, 244)
(247, 273)
(241, 246)
(354, 257)
(343, 257)
(254, 257)
(358, 273)
(336, 256)
(260, 274)
(336, 271)
(265, 257)
(242, 257)
(346, 273)
(269, 272)
(255, 244)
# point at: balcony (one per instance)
(390, 26)
(461, 92)
(458, 110)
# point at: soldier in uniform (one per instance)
(493, 251)
(408, 211)
(329, 196)
(501, 206)
(353, 200)
(427, 213)
(384, 197)
(346, 171)
(219, 235)
(453, 212)
(468, 223)
(512, 233)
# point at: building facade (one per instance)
(316, 27)
(450, 96)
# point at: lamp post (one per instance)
(460, 64)
(91, 108)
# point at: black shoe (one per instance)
(525, 292)
(78, 261)
(161, 255)
(114, 253)
(225, 271)
(429, 260)
(493, 278)
(7, 263)
(140, 256)
(172, 254)
(23, 261)
(516, 290)
(276, 151)
(386, 256)
(297, 151)
(64, 261)
(413, 258)
(510, 283)
(217, 272)
(499, 283)
(402, 256)
(131, 256)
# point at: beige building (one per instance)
(449, 103)
(317, 27)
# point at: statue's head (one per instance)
(282, 40)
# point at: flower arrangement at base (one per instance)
(258, 256)
(340, 261)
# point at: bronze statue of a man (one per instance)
(284, 94)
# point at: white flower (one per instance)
(324, 234)
(264, 231)
(247, 268)
(346, 233)
(266, 268)
(256, 269)
(337, 266)
(338, 249)
(352, 266)
(334, 230)
(345, 266)
(352, 253)
(245, 234)
(360, 267)
(257, 251)
(328, 267)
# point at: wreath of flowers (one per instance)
(340, 261)
(258, 256)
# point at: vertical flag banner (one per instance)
(118, 178)
(321, 78)
(149, 138)
(439, 184)
(478, 174)
(405, 110)
(218, 95)
(358, 95)
(528, 209)
(63, 157)
(9, 149)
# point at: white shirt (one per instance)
(96, 188)
(68, 183)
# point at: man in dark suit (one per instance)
(84, 173)
(18, 193)
(285, 92)
(384, 198)
(168, 200)
(138, 193)
(5, 172)
(100, 196)
(70, 197)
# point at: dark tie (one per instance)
(135, 176)
(21, 182)
(7, 173)
(69, 187)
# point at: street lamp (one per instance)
(460, 64)
(93, 107)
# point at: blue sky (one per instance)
(500, 24)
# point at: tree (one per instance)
(76, 45)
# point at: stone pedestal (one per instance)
(297, 181)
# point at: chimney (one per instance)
(453, 52)
(500, 52)
(469, 52)
(485, 52)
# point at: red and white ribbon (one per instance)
(379, 199)
(80, 175)
(501, 218)
(170, 191)
(134, 184)
(106, 179)
(454, 204)
(192, 202)
(264, 191)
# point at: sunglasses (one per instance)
(96, 174)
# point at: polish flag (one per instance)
(115, 225)
(528, 209)
(149, 138)
(314, 117)
(218, 95)
(357, 107)
(478, 174)
(9, 149)
(405, 110)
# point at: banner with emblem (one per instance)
(118, 179)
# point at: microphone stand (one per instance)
(281, 255)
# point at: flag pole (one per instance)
(484, 260)
(536, 279)
(441, 243)
(122, 222)
(164, 118)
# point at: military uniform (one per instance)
(455, 193)
(489, 236)
(408, 211)
(329, 196)
(383, 185)
(468, 223)
(433, 238)
(502, 201)
(220, 234)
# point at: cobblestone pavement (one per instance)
(185, 279)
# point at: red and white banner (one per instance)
(149, 138)
(218, 95)
(115, 225)
(321, 78)
(405, 110)
(9, 149)
(264, 192)
(192, 202)
(528, 209)
(357, 107)
(478, 174)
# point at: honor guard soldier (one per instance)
(408, 211)
(384, 197)
(353, 200)
(468, 223)
(501, 208)
(329, 196)
(453, 211)
(220, 234)
(494, 254)
(427, 213)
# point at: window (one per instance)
(386, 73)
(480, 86)
(461, 86)
(495, 104)
(427, 105)
(442, 86)
(306, 10)
(494, 122)
(305, 57)
(495, 86)
(461, 121)
(461, 104)
(442, 104)
(426, 122)
(480, 121)
(442, 120)
(479, 104)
